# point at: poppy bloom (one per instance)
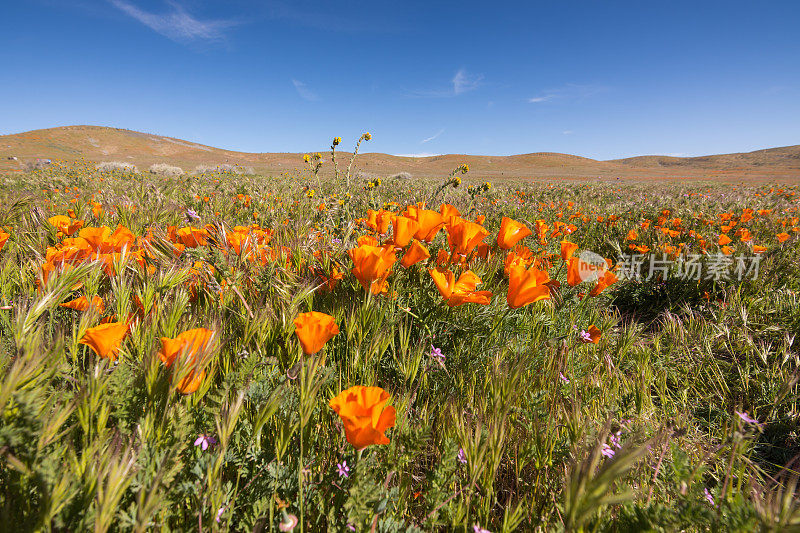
(723, 240)
(189, 345)
(430, 222)
(782, 237)
(372, 266)
(463, 236)
(511, 232)
(415, 253)
(567, 249)
(314, 330)
(526, 286)
(606, 279)
(404, 230)
(82, 304)
(759, 249)
(64, 224)
(591, 335)
(3, 238)
(106, 339)
(461, 291)
(365, 415)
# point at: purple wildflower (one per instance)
(437, 355)
(479, 529)
(343, 469)
(351, 527)
(462, 456)
(191, 214)
(709, 497)
(288, 523)
(219, 513)
(585, 336)
(204, 441)
(564, 378)
(608, 451)
(749, 419)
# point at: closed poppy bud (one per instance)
(526, 286)
(574, 271)
(511, 232)
(106, 339)
(567, 249)
(364, 415)
(314, 330)
(415, 253)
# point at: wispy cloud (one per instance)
(432, 137)
(570, 91)
(463, 82)
(177, 24)
(304, 92)
(567, 132)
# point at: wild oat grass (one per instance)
(676, 410)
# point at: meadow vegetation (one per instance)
(226, 351)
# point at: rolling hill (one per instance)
(97, 143)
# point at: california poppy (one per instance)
(430, 222)
(414, 254)
(567, 249)
(404, 230)
(189, 345)
(106, 339)
(372, 266)
(314, 330)
(365, 415)
(461, 291)
(3, 238)
(82, 304)
(607, 278)
(463, 236)
(511, 232)
(526, 286)
(592, 335)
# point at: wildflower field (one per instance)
(222, 352)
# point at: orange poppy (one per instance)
(593, 336)
(607, 279)
(463, 236)
(759, 249)
(567, 249)
(3, 238)
(414, 254)
(430, 222)
(511, 232)
(314, 330)
(189, 343)
(782, 237)
(372, 266)
(404, 230)
(82, 304)
(526, 286)
(106, 339)
(365, 415)
(461, 291)
(723, 240)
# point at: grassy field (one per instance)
(234, 352)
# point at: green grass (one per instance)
(89, 444)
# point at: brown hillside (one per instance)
(97, 143)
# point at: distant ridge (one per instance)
(99, 143)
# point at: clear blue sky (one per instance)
(598, 78)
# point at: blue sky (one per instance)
(598, 78)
